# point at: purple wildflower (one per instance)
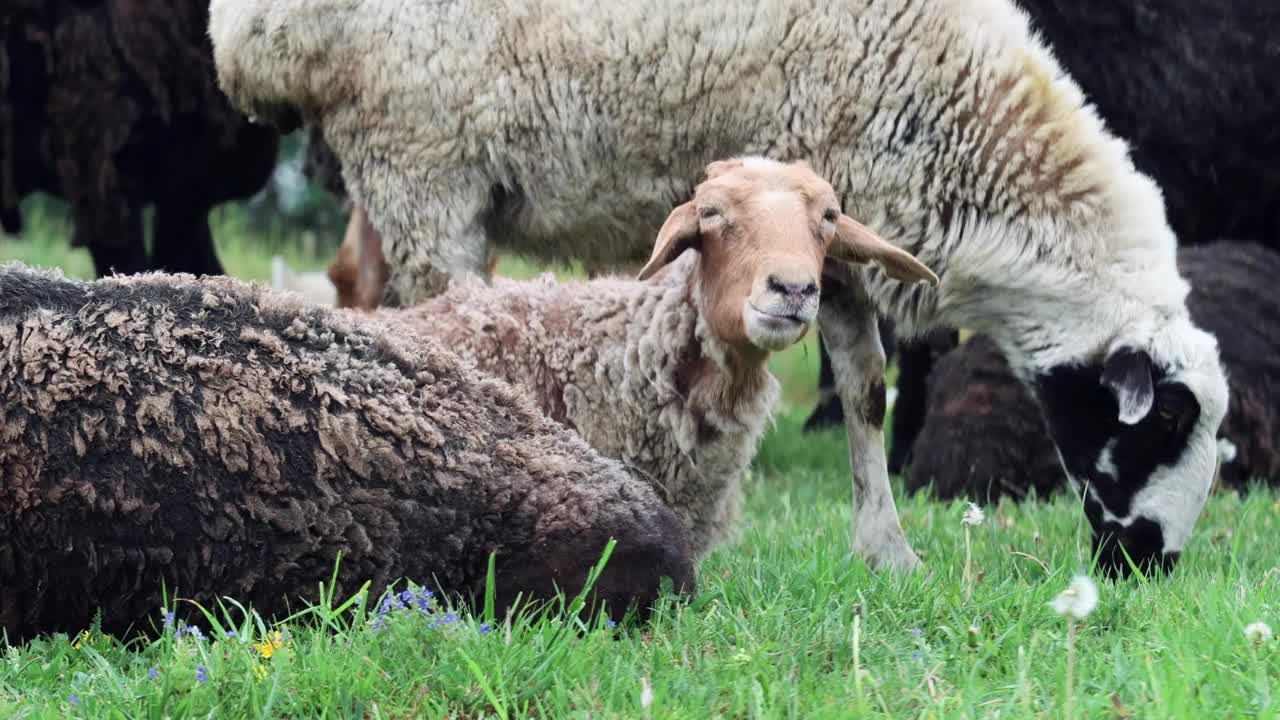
(73, 699)
(917, 631)
(611, 623)
(194, 632)
(448, 619)
(916, 656)
(201, 675)
(231, 633)
(423, 600)
(484, 628)
(168, 618)
(152, 674)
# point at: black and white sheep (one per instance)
(670, 375)
(113, 105)
(568, 129)
(227, 440)
(984, 435)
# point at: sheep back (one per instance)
(227, 440)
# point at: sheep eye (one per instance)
(830, 215)
(706, 212)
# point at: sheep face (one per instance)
(1137, 436)
(764, 230)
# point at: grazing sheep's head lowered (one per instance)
(1137, 432)
(764, 229)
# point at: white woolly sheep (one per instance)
(569, 128)
(670, 375)
(229, 440)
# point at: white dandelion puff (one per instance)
(973, 516)
(1078, 600)
(1258, 632)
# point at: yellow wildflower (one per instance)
(268, 647)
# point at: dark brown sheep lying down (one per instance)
(230, 441)
(983, 435)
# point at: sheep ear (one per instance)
(1127, 374)
(679, 233)
(856, 243)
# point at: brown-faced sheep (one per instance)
(670, 375)
(113, 105)
(984, 436)
(227, 440)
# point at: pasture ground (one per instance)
(784, 624)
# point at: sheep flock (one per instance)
(1049, 213)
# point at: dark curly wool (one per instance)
(1233, 296)
(983, 435)
(1192, 86)
(230, 441)
(113, 105)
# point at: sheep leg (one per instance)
(847, 322)
(183, 241)
(444, 240)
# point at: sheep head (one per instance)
(764, 229)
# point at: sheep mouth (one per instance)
(772, 330)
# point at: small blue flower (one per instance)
(406, 596)
(611, 623)
(484, 628)
(201, 675)
(73, 699)
(194, 632)
(152, 674)
(168, 618)
(917, 631)
(916, 656)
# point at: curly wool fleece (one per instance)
(629, 365)
(227, 440)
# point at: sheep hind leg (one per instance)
(847, 322)
(442, 239)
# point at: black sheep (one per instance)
(1192, 86)
(226, 440)
(983, 435)
(113, 105)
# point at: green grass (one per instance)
(784, 624)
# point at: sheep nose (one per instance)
(800, 290)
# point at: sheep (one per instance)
(1196, 100)
(668, 373)
(227, 440)
(113, 106)
(984, 436)
(567, 129)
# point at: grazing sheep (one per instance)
(568, 128)
(1196, 102)
(228, 440)
(671, 376)
(984, 436)
(113, 105)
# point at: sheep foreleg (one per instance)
(847, 321)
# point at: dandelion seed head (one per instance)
(1258, 632)
(1078, 600)
(973, 516)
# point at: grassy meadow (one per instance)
(785, 624)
